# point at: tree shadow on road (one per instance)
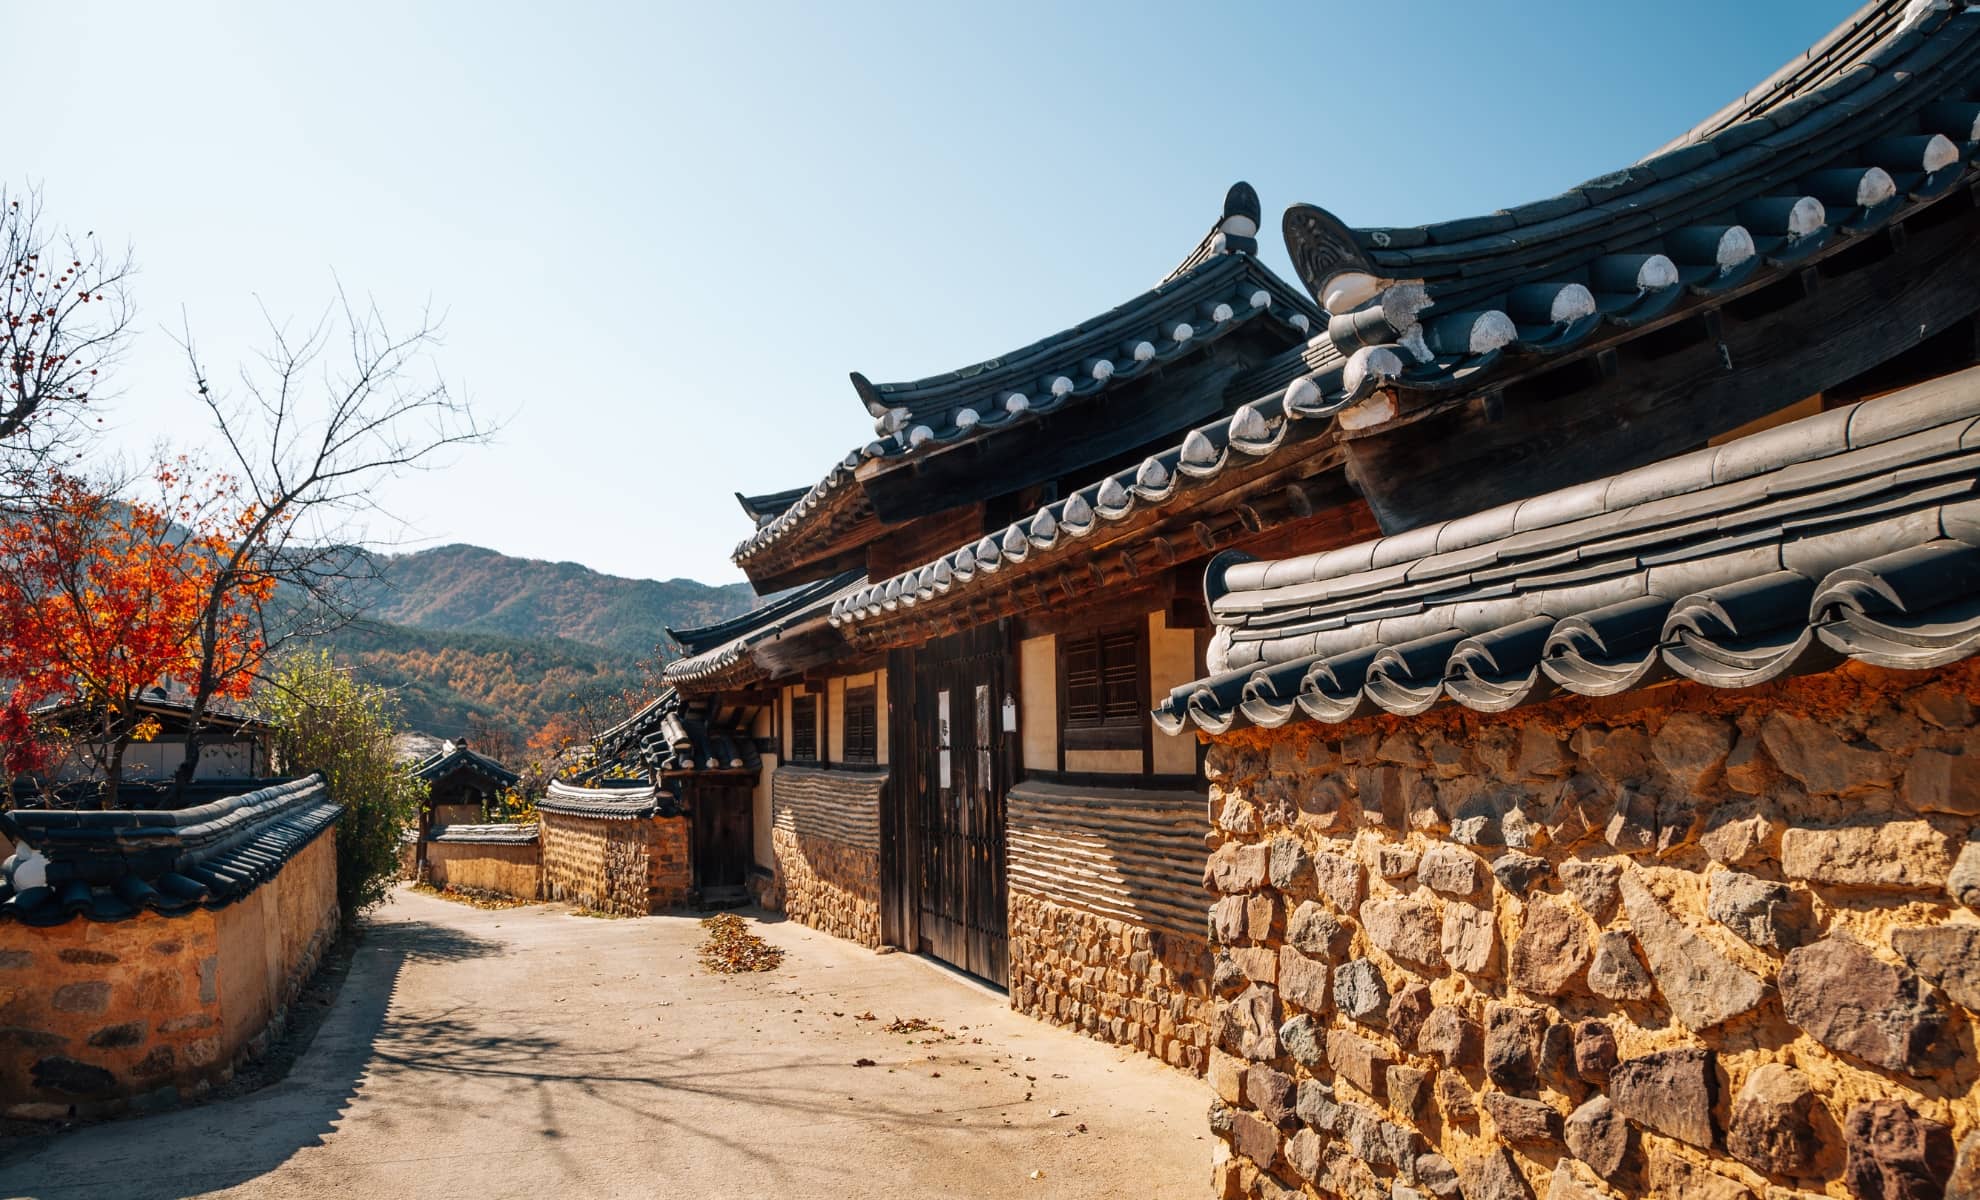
(210, 1147)
(540, 1070)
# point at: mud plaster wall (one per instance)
(1688, 943)
(507, 870)
(627, 867)
(826, 833)
(1106, 916)
(96, 1017)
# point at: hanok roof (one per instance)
(767, 638)
(511, 834)
(112, 865)
(173, 700)
(708, 637)
(454, 757)
(675, 735)
(1882, 121)
(1627, 254)
(627, 802)
(766, 507)
(1855, 533)
(1219, 289)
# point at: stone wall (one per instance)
(627, 866)
(96, 1017)
(826, 835)
(1686, 943)
(508, 870)
(1106, 915)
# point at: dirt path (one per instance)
(534, 1053)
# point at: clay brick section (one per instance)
(629, 867)
(825, 833)
(1693, 944)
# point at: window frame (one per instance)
(862, 738)
(1127, 729)
(804, 708)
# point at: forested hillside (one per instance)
(465, 635)
(471, 589)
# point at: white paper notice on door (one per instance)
(942, 737)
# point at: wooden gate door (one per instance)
(956, 799)
(722, 834)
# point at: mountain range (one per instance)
(464, 633)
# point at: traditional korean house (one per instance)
(1620, 795)
(463, 788)
(989, 597)
(462, 785)
(705, 750)
(234, 745)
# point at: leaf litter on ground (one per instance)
(732, 949)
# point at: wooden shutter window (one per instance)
(1103, 675)
(804, 729)
(862, 725)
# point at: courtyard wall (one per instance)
(627, 866)
(98, 1016)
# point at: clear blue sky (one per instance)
(663, 234)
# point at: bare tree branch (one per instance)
(311, 437)
(65, 317)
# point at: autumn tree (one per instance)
(64, 317)
(102, 600)
(316, 425)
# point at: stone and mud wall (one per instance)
(1106, 916)
(1686, 943)
(100, 1016)
(825, 832)
(629, 867)
(507, 870)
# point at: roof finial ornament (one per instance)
(1239, 225)
(869, 395)
(1329, 261)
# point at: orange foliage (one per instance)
(102, 599)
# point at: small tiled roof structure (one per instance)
(1220, 288)
(628, 802)
(512, 834)
(113, 865)
(676, 735)
(453, 757)
(1851, 534)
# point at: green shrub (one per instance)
(329, 722)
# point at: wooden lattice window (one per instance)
(804, 729)
(1105, 690)
(862, 725)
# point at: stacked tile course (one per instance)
(1687, 943)
(826, 835)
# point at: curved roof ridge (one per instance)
(1834, 54)
(706, 637)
